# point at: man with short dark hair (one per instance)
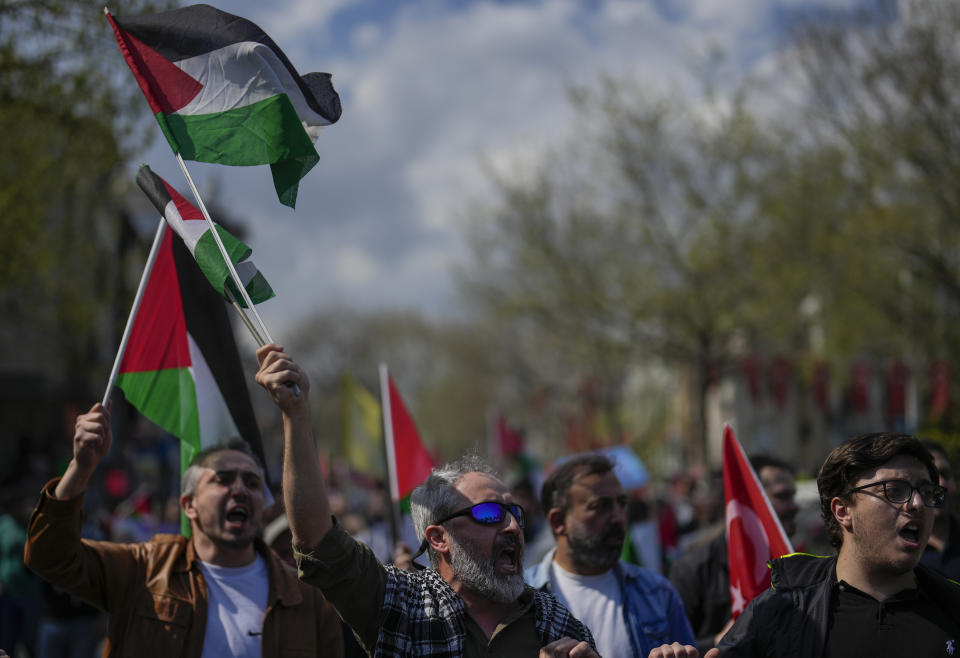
(220, 592)
(877, 496)
(702, 574)
(630, 609)
(943, 548)
(471, 602)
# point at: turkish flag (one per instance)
(408, 462)
(754, 533)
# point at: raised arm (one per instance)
(91, 443)
(97, 572)
(304, 491)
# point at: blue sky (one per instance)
(430, 89)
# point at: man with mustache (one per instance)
(630, 610)
(471, 602)
(220, 592)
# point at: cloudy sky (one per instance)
(430, 89)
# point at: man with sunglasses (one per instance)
(877, 496)
(471, 602)
(630, 610)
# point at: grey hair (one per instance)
(437, 496)
(191, 477)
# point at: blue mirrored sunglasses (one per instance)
(489, 513)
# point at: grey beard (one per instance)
(591, 551)
(479, 573)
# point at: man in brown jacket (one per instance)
(220, 592)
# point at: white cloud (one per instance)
(354, 266)
(429, 90)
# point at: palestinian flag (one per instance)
(181, 368)
(223, 92)
(190, 224)
(408, 462)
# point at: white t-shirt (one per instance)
(598, 603)
(236, 605)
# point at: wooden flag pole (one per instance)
(387, 415)
(151, 259)
(223, 250)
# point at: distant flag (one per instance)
(180, 367)
(190, 225)
(509, 439)
(362, 445)
(224, 92)
(408, 462)
(754, 533)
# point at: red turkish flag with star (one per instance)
(754, 533)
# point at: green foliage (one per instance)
(69, 113)
(690, 231)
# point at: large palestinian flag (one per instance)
(190, 224)
(223, 92)
(181, 368)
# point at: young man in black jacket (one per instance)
(877, 496)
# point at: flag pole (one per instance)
(387, 415)
(223, 250)
(246, 321)
(151, 259)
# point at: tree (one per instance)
(635, 243)
(885, 86)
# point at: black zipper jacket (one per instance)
(790, 619)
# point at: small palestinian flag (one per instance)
(181, 368)
(223, 92)
(408, 462)
(192, 227)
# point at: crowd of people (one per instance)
(490, 569)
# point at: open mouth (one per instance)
(238, 515)
(508, 560)
(911, 533)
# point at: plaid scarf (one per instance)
(423, 616)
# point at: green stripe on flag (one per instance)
(168, 398)
(211, 260)
(264, 132)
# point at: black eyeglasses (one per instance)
(489, 513)
(900, 491)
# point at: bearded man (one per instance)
(630, 610)
(472, 602)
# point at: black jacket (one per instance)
(790, 620)
(702, 578)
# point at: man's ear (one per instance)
(188, 507)
(436, 536)
(557, 519)
(841, 511)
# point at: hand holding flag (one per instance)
(754, 533)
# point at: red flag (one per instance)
(754, 533)
(408, 462)
(509, 439)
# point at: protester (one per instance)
(877, 497)
(630, 609)
(471, 602)
(220, 592)
(943, 549)
(702, 574)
